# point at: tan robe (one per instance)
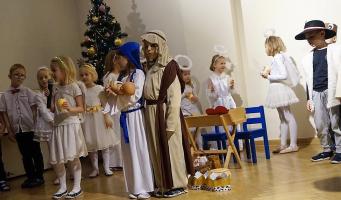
(172, 112)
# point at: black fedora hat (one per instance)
(315, 25)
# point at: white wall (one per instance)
(32, 32)
(287, 18)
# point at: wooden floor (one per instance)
(287, 177)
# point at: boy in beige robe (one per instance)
(168, 162)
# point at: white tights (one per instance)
(288, 124)
(76, 169)
(106, 159)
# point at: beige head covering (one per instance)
(159, 38)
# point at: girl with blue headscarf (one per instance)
(136, 162)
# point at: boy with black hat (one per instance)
(321, 68)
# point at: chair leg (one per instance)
(266, 147)
(247, 149)
(253, 150)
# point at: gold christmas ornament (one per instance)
(91, 51)
(95, 19)
(118, 42)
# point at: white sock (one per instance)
(106, 160)
(94, 160)
(61, 174)
(76, 167)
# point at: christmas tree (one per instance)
(102, 35)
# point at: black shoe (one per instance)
(158, 194)
(27, 183)
(59, 195)
(174, 193)
(72, 195)
(4, 187)
(40, 181)
(322, 156)
(336, 159)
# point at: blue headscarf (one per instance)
(131, 50)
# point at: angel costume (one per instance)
(167, 141)
(221, 95)
(115, 151)
(281, 96)
(136, 162)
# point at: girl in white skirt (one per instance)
(97, 126)
(67, 142)
(280, 94)
(136, 162)
(112, 70)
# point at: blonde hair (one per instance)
(274, 45)
(67, 66)
(91, 70)
(214, 60)
(15, 67)
(48, 70)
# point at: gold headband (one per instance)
(60, 60)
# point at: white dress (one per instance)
(43, 127)
(189, 108)
(136, 162)
(115, 151)
(279, 93)
(97, 136)
(67, 140)
(221, 96)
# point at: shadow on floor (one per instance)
(329, 185)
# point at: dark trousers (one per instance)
(31, 155)
(2, 169)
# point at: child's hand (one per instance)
(231, 83)
(310, 106)
(11, 135)
(108, 121)
(194, 99)
(66, 106)
(264, 75)
(46, 92)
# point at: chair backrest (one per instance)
(259, 120)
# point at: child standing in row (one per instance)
(112, 71)
(44, 121)
(137, 167)
(4, 186)
(18, 107)
(67, 142)
(280, 95)
(190, 105)
(97, 126)
(220, 84)
(321, 67)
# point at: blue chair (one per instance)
(247, 135)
